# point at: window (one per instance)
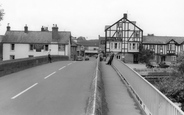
(111, 45)
(31, 47)
(133, 46)
(130, 46)
(161, 49)
(119, 45)
(102, 41)
(173, 58)
(12, 57)
(115, 45)
(171, 46)
(30, 56)
(61, 48)
(12, 46)
(46, 47)
(137, 46)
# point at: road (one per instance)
(59, 88)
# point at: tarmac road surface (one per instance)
(59, 88)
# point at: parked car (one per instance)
(86, 58)
(165, 64)
(152, 65)
(79, 58)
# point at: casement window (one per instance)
(30, 56)
(130, 46)
(61, 47)
(12, 57)
(31, 47)
(161, 49)
(12, 46)
(137, 46)
(115, 45)
(119, 46)
(133, 46)
(46, 48)
(111, 45)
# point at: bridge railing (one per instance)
(152, 101)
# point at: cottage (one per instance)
(24, 44)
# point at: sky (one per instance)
(88, 18)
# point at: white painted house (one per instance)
(24, 44)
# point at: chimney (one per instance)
(42, 29)
(8, 27)
(55, 28)
(25, 28)
(125, 16)
(55, 35)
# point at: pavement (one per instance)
(119, 100)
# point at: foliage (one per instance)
(1, 14)
(180, 57)
(173, 87)
(181, 67)
(145, 55)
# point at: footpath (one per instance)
(119, 100)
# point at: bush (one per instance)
(173, 88)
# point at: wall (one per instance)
(97, 104)
(23, 51)
(11, 66)
(129, 58)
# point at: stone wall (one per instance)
(11, 66)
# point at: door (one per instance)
(135, 60)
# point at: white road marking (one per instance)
(24, 91)
(49, 75)
(69, 63)
(62, 68)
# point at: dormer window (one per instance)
(171, 46)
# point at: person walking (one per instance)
(110, 59)
(49, 57)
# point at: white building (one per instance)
(24, 44)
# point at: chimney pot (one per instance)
(8, 27)
(125, 16)
(25, 28)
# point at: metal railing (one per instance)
(152, 101)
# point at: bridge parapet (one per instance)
(11, 66)
(96, 103)
(152, 101)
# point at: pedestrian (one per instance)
(49, 58)
(110, 59)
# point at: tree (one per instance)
(1, 14)
(145, 55)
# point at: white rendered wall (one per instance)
(22, 51)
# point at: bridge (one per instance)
(81, 88)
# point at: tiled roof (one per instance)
(89, 43)
(64, 36)
(162, 39)
(34, 37)
(1, 37)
